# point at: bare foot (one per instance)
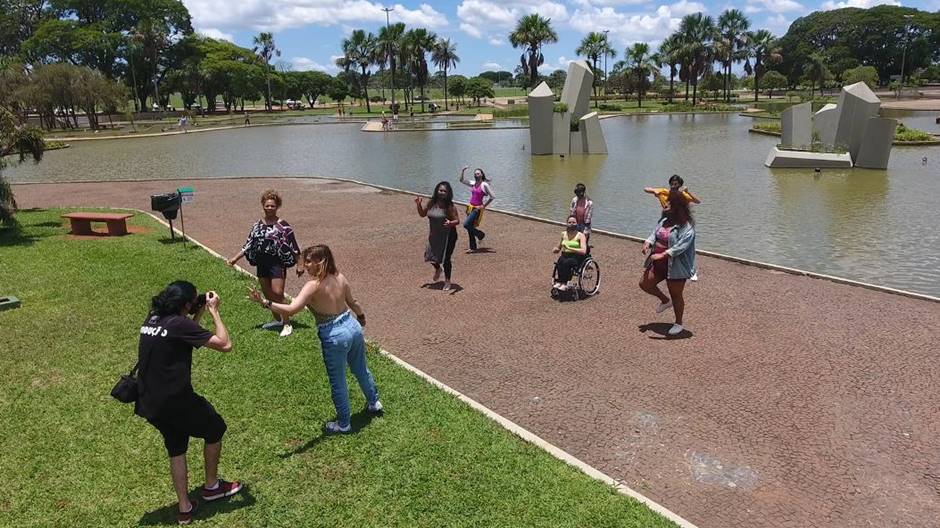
(437, 275)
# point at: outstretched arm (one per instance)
(463, 178)
(296, 305)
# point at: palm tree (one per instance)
(532, 31)
(389, 42)
(360, 50)
(265, 49)
(763, 47)
(815, 70)
(593, 46)
(696, 34)
(732, 26)
(669, 55)
(418, 43)
(445, 56)
(641, 65)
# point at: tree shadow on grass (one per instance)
(662, 331)
(16, 236)
(166, 516)
(358, 422)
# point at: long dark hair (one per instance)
(173, 298)
(482, 174)
(679, 211)
(445, 202)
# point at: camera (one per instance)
(200, 302)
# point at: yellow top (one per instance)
(662, 193)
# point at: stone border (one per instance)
(614, 234)
(509, 425)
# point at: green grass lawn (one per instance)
(70, 455)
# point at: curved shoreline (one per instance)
(615, 234)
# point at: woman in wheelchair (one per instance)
(574, 249)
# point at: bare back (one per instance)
(329, 297)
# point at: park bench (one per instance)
(81, 222)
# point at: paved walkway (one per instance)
(797, 402)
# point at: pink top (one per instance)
(476, 194)
(662, 239)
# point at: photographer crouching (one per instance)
(166, 396)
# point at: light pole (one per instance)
(388, 48)
(907, 35)
(606, 45)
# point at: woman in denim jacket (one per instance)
(670, 251)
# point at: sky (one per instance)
(309, 32)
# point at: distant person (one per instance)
(164, 383)
(573, 248)
(582, 209)
(272, 247)
(662, 193)
(670, 251)
(247, 119)
(328, 295)
(384, 121)
(479, 190)
(443, 220)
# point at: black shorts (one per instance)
(270, 268)
(190, 416)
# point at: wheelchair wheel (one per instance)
(589, 280)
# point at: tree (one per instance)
(478, 88)
(265, 49)
(458, 86)
(531, 32)
(761, 45)
(445, 56)
(670, 54)
(815, 71)
(640, 66)
(418, 43)
(337, 90)
(361, 50)
(696, 32)
(865, 74)
(593, 46)
(15, 138)
(390, 43)
(773, 80)
(732, 28)
(19, 19)
(556, 81)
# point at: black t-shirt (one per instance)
(165, 358)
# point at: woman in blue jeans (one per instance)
(329, 297)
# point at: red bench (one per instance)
(81, 222)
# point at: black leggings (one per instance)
(566, 265)
(448, 252)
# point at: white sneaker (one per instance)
(446, 286)
(663, 307)
(694, 277)
(271, 325)
(375, 408)
(287, 330)
(334, 427)
(675, 330)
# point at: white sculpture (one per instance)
(551, 132)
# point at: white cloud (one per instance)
(307, 64)
(260, 15)
(626, 28)
(773, 6)
(864, 4)
(777, 24)
(493, 20)
(216, 34)
(492, 66)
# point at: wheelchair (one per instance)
(585, 282)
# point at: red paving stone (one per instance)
(795, 402)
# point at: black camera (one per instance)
(200, 302)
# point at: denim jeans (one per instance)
(342, 342)
(472, 231)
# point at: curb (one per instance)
(507, 424)
(613, 234)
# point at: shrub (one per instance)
(902, 133)
(519, 111)
(609, 107)
(560, 108)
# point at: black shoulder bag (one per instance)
(126, 389)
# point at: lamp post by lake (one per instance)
(388, 48)
(907, 38)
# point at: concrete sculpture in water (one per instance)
(850, 133)
(569, 128)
